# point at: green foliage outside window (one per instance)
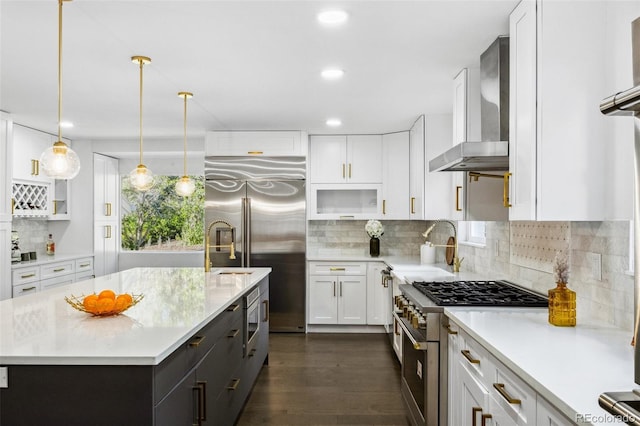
(159, 219)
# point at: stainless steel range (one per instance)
(419, 311)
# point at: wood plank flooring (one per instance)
(327, 379)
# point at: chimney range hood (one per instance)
(492, 152)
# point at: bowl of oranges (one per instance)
(105, 303)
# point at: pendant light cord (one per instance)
(141, 65)
(59, 69)
(185, 134)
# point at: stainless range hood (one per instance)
(492, 153)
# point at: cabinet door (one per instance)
(547, 415)
(5, 259)
(323, 303)
(328, 159)
(437, 185)
(473, 397)
(106, 194)
(454, 408)
(268, 143)
(60, 200)
(460, 134)
(364, 159)
(6, 150)
(378, 296)
(352, 300)
(395, 179)
(28, 145)
(178, 408)
(416, 169)
(105, 247)
(522, 111)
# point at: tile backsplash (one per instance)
(33, 235)
(518, 251)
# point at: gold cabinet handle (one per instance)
(252, 352)
(334, 289)
(13, 205)
(196, 341)
(35, 167)
(384, 206)
(502, 391)
(255, 152)
(451, 331)
(474, 414)
(108, 208)
(469, 358)
(458, 189)
(505, 190)
(413, 205)
(27, 276)
(233, 333)
(84, 265)
(58, 270)
(344, 175)
(201, 411)
(108, 231)
(29, 289)
(266, 310)
(484, 419)
(349, 170)
(336, 268)
(340, 286)
(234, 384)
(55, 207)
(233, 308)
(395, 328)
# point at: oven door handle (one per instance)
(417, 340)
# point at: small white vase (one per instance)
(427, 254)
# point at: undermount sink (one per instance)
(624, 404)
(230, 272)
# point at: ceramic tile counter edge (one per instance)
(43, 329)
(43, 260)
(568, 366)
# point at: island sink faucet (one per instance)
(456, 260)
(208, 245)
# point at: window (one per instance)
(472, 232)
(161, 220)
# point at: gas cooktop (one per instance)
(479, 293)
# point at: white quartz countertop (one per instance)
(568, 366)
(43, 329)
(44, 259)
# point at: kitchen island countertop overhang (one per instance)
(42, 329)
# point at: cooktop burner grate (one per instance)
(479, 293)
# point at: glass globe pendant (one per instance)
(185, 186)
(141, 177)
(59, 161)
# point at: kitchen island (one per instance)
(179, 356)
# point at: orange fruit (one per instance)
(90, 302)
(123, 301)
(106, 304)
(107, 294)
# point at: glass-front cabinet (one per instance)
(340, 201)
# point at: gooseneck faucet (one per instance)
(208, 245)
(456, 260)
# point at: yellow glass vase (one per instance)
(562, 306)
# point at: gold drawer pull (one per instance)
(474, 414)
(196, 341)
(233, 333)
(58, 270)
(84, 265)
(501, 390)
(234, 384)
(233, 308)
(458, 189)
(255, 152)
(266, 310)
(251, 353)
(413, 205)
(335, 269)
(505, 190)
(108, 206)
(484, 419)
(469, 358)
(28, 289)
(27, 276)
(450, 331)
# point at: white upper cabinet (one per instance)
(106, 194)
(438, 185)
(28, 144)
(561, 158)
(417, 169)
(345, 159)
(6, 134)
(266, 143)
(395, 170)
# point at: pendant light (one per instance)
(185, 186)
(141, 177)
(59, 161)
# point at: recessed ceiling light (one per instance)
(66, 124)
(332, 17)
(332, 73)
(334, 122)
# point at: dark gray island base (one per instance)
(205, 381)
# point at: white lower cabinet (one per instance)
(5, 259)
(41, 276)
(378, 295)
(482, 391)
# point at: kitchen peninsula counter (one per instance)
(42, 329)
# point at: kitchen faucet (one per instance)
(456, 260)
(208, 245)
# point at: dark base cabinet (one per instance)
(204, 382)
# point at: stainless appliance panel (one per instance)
(223, 201)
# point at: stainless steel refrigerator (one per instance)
(263, 198)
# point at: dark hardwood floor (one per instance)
(327, 379)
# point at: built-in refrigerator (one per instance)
(263, 199)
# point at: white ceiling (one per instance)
(252, 65)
